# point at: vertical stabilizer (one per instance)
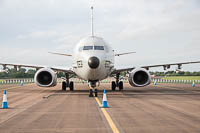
(92, 21)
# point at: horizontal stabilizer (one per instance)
(124, 53)
(60, 54)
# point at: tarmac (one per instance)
(168, 108)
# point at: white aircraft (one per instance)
(93, 61)
(4, 70)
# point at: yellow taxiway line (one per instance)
(108, 118)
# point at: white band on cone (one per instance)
(104, 97)
(4, 98)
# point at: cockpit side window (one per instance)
(88, 48)
(80, 49)
(98, 47)
(106, 48)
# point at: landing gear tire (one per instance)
(96, 93)
(91, 93)
(121, 86)
(64, 86)
(113, 85)
(71, 86)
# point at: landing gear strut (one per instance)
(66, 83)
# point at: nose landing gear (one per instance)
(93, 92)
(90, 93)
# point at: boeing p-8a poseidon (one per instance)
(93, 61)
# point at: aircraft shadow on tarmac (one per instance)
(143, 91)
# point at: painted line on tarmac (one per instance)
(108, 118)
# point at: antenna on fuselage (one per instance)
(92, 21)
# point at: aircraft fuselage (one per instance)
(93, 59)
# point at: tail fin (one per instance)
(92, 21)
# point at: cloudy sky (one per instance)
(164, 31)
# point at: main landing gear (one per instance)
(66, 83)
(118, 83)
(93, 92)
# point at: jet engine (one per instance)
(45, 77)
(139, 77)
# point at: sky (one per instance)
(159, 31)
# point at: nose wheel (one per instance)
(90, 93)
(93, 93)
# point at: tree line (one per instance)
(24, 73)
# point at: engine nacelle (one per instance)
(139, 77)
(45, 77)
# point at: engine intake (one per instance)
(139, 77)
(45, 77)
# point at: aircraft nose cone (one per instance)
(93, 62)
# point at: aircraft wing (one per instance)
(165, 66)
(37, 67)
(115, 71)
(63, 70)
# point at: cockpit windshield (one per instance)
(92, 48)
(98, 47)
(88, 48)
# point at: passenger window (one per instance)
(88, 48)
(98, 47)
